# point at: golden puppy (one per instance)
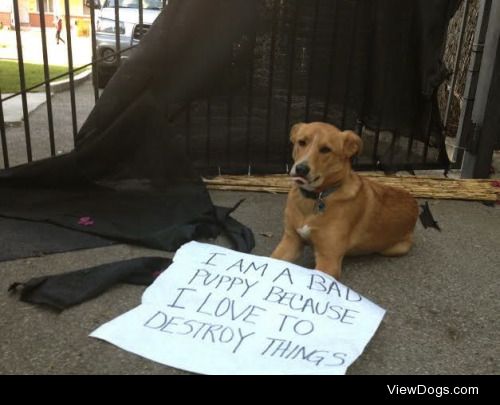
(336, 210)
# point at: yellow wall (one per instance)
(75, 7)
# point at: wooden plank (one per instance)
(419, 186)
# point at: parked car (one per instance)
(130, 31)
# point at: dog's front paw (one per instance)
(332, 268)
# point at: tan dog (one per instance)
(336, 210)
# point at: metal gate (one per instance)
(220, 131)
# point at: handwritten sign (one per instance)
(217, 311)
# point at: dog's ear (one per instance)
(294, 131)
(352, 144)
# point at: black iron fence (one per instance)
(300, 64)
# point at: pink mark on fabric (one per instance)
(86, 221)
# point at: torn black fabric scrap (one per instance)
(240, 236)
(62, 291)
(426, 217)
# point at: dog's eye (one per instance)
(325, 149)
(302, 143)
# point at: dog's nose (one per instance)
(302, 169)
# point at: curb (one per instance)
(63, 85)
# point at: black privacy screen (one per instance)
(214, 86)
(372, 66)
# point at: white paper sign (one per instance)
(217, 311)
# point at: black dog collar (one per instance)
(320, 205)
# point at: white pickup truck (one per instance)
(130, 31)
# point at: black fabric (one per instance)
(163, 219)
(62, 291)
(354, 63)
(22, 239)
(223, 80)
(129, 178)
(240, 236)
(426, 217)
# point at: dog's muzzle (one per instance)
(301, 170)
(299, 173)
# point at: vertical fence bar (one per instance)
(292, 39)
(229, 112)
(331, 59)
(188, 128)
(70, 67)
(359, 127)
(141, 17)
(271, 78)
(428, 130)
(95, 73)
(384, 59)
(358, 130)
(311, 60)
(349, 63)
(376, 141)
(250, 99)
(382, 109)
(46, 74)
(22, 80)
(379, 123)
(411, 139)
(369, 69)
(209, 132)
(392, 147)
(3, 136)
(117, 32)
(229, 127)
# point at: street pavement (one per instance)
(441, 299)
(32, 47)
(39, 131)
(13, 108)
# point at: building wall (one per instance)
(5, 7)
(5, 18)
(75, 7)
(35, 20)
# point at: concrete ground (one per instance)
(13, 110)
(39, 133)
(441, 300)
(32, 47)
